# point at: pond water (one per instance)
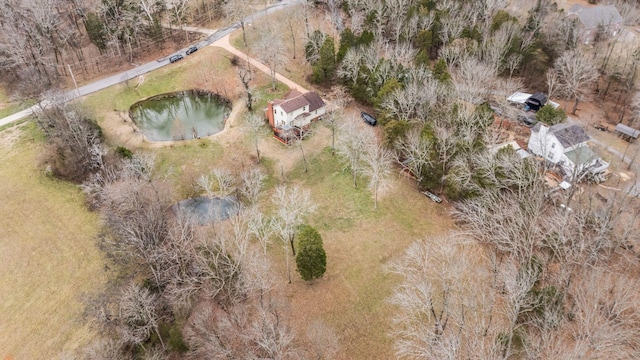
(181, 115)
(205, 210)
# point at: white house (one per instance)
(565, 145)
(295, 111)
(596, 20)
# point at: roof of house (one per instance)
(629, 131)
(569, 134)
(520, 98)
(296, 100)
(514, 145)
(592, 17)
(581, 155)
(315, 101)
(540, 97)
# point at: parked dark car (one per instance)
(527, 119)
(175, 58)
(191, 50)
(435, 198)
(369, 119)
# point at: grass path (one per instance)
(48, 255)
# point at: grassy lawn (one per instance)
(360, 242)
(8, 107)
(49, 260)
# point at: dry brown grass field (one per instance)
(49, 260)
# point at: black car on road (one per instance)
(175, 58)
(369, 119)
(191, 50)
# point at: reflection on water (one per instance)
(180, 116)
(205, 210)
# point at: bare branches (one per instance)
(352, 144)
(293, 205)
(271, 49)
(138, 314)
(575, 74)
(606, 307)
(378, 167)
(443, 310)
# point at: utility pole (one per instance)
(74, 80)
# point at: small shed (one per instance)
(521, 99)
(536, 101)
(627, 133)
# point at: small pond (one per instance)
(205, 210)
(181, 115)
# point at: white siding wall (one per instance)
(545, 145)
(281, 118)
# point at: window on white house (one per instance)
(550, 154)
(553, 145)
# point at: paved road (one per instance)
(150, 66)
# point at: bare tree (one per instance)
(352, 145)
(255, 123)
(605, 311)
(76, 149)
(179, 12)
(575, 74)
(444, 309)
(293, 205)
(251, 185)
(413, 154)
(261, 227)
(246, 75)
(237, 11)
(105, 349)
(415, 99)
(138, 315)
(298, 141)
(474, 80)
(379, 161)
(336, 113)
(323, 339)
(271, 51)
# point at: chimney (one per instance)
(269, 113)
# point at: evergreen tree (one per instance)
(325, 68)
(548, 115)
(311, 260)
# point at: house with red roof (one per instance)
(289, 117)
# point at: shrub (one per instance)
(235, 60)
(548, 115)
(176, 341)
(311, 260)
(124, 152)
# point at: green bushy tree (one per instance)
(548, 115)
(311, 260)
(325, 68)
